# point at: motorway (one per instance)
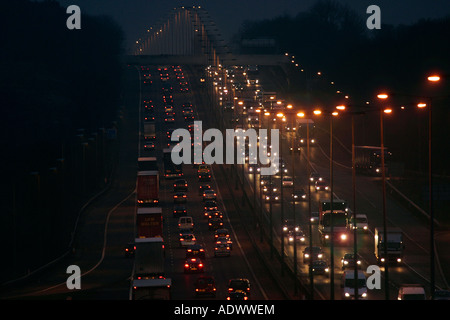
(107, 223)
(369, 201)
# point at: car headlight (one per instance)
(345, 262)
(327, 236)
(347, 295)
(399, 260)
(327, 270)
(285, 228)
(364, 295)
(319, 256)
(343, 237)
(306, 255)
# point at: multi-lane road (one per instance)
(107, 223)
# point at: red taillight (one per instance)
(186, 265)
(200, 265)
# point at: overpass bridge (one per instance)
(188, 36)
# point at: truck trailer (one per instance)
(395, 246)
(336, 219)
(147, 187)
(151, 289)
(149, 222)
(148, 258)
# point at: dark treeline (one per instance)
(60, 91)
(330, 37)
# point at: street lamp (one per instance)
(280, 115)
(432, 79)
(384, 96)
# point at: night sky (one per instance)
(135, 16)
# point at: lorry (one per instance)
(149, 222)
(151, 289)
(147, 164)
(395, 246)
(147, 187)
(171, 170)
(148, 280)
(339, 218)
(149, 131)
(148, 258)
(368, 160)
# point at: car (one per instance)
(180, 197)
(193, 265)
(312, 254)
(180, 185)
(348, 285)
(237, 295)
(276, 197)
(321, 185)
(320, 267)
(179, 210)
(203, 187)
(205, 285)
(229, 106)
(298, 235)
(169, 132)
(268, 186)
(264, 180)
(187, 238)
(203, 168)
(221, 233)
(185, 223)
(187, 111)
(287, 181)
(169, 119)
(169, 111)
(299, 195)
(315, 176)
(210, 205)
(209, 195)
(215, 223)
(222, 249)
(288, 225)
(129, 249)
(237, 284)
(348, 261)
(360, 223)
(195, 251)
(204, 177)
(296, 148)
(314, 217)
(215, 213)
(254, 168)
(149, 145)
(225, 240)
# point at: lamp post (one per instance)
(432, 79)
(384, 96)
(280, 166)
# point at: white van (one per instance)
(348, 285)
(185, 223)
